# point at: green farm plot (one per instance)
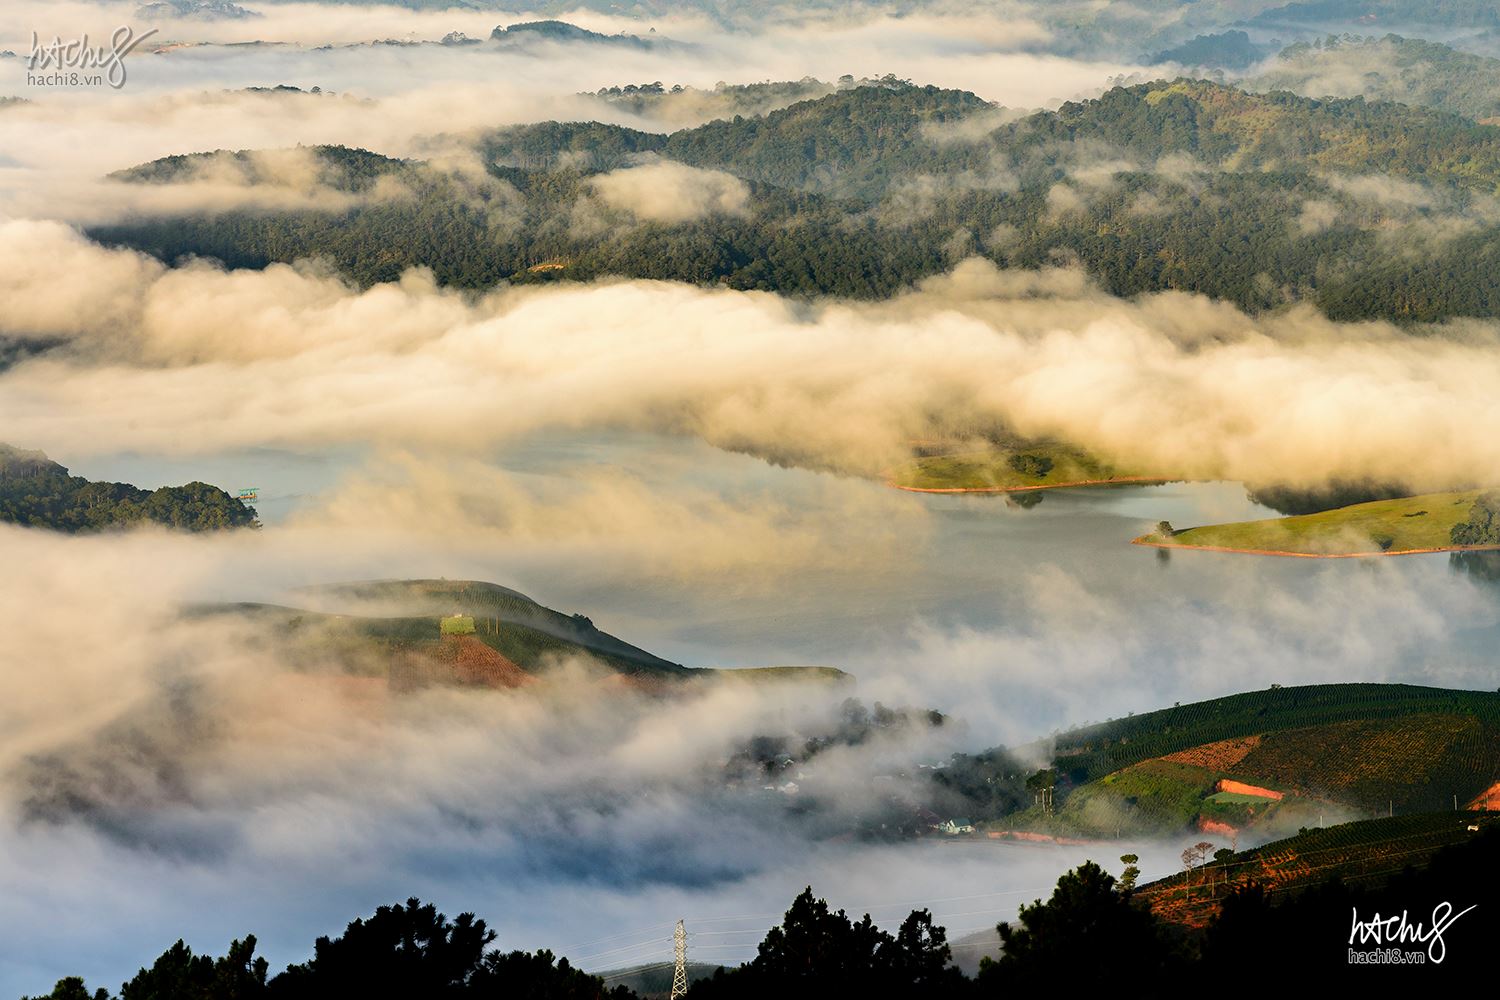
(1407, 524)
(1236, 799)
(1023, 467)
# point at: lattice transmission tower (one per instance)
(679, 974)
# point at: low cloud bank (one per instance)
(1168, 383)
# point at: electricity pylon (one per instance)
(679, 974)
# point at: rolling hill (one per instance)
(414, 633)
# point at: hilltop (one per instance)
(414, 633)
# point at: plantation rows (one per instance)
(1094, 751)
(1418, 762)
(1368, 851)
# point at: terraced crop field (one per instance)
(1219, 756)
(1413, 763)
(1091, 752)
(1366, 852)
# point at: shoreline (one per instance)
(1122, 480)
(1145, 541)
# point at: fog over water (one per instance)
(1017, 621)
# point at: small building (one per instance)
(954, 827)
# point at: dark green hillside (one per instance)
(337, 167)
(528, 32)
(588, 146)
(1095, 751)
(1388, 68)
(37, 492)
(1436, 13)
(1259, 199)
(851, 144)
(1289, 754)
(1239, 131)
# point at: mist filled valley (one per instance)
(598, 466)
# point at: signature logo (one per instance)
(1380, 930)
(65, 63)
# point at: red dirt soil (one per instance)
(1219, 756)
(1240, 788)
(459, 659)
(1488, 799)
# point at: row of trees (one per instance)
(1092, 932)
(40, 493)
(1483, 525)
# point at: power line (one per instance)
(679, 974)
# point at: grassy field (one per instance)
(1235, 799)
(1028, 467)
(1382, 526)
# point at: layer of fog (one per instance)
(394, 98)
(1167, 383)
(187, 756)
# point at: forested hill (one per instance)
(1387, 68)
(36, 491)
(1435, 13)
(851, 144)
(1236, 131)
(336, 167)
(1366, 209)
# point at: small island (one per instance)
(1465, 520)
(1015, 467)
(37, 492)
